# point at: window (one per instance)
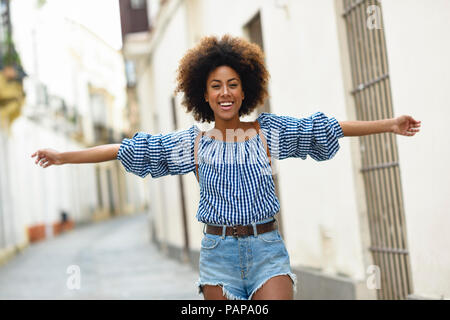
(371, 92)
(137, 4)
(130, 73)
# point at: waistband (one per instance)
(257, 222)
(253, 229)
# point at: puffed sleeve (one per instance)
(316, 136)
(159, 154)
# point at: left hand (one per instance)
(406, 126)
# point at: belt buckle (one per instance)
(235, 232)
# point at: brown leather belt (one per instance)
(242, 231)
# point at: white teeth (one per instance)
(226, 103)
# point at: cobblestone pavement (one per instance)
(115, 259)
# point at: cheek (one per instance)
(240, 94)
(209, 97)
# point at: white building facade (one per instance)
(76, 98)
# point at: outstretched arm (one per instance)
(403, 125)
(48, 157)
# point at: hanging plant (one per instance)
(12, 59)
(40, 3)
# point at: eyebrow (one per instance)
(227, 81)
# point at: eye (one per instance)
(233, 85)
(215, 87)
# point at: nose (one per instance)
(225, 90)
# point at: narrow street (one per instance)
(111, 260)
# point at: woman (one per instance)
(242, 254)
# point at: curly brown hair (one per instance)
(246, 58)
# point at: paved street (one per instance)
(116, 261)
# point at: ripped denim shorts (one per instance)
(242, 265)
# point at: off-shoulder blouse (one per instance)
(236, 185)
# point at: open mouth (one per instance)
(226, 105)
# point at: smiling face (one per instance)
(224, 93)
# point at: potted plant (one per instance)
(12, 66)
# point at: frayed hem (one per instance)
(225, 292)
(290, 274)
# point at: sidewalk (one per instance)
(110, 260)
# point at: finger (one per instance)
(406, 132)
(33, 154)
(37, 154)
(412, 120)
(39, 158)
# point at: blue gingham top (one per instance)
(236, 185)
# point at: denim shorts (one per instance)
(242, 265)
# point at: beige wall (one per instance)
(418, 51)
(318, 199)
(155, 92)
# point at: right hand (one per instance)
(47, 157)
